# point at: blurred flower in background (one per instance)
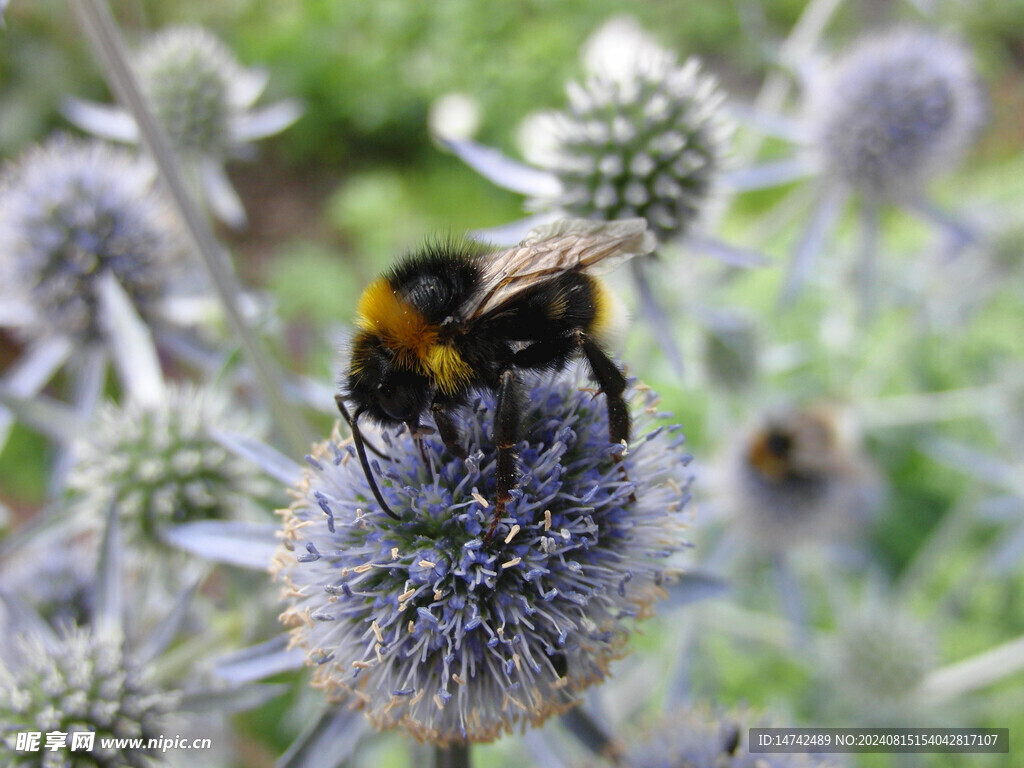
(881, 655)
(698, 736)
(896, 110)
(422, 625)
(643, 135)
(90, 252)
(204, 99)
(162, 468)
(70, 212)
(74, 681)
(127, 671)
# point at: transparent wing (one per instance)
(566, 245)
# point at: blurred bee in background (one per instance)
(457, 317)
(799, 475)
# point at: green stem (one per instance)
(980, 671)
(931, 407)
(592, 735)
(802, 40)
(102, 30)
(455, 756)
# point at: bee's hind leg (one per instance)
(507, 417)
(612, 383)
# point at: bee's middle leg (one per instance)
(507, 417)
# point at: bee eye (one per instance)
(400, 402)
(779, 444)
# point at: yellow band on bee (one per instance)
(397, 322)
(447, 368)
(413, 339)
(765, 461)
(608, 313)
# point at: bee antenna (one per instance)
(348, 420)
(357, 438)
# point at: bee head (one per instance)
(380, 385)
(801, 443)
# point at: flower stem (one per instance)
(800, 44)
(592, 735)
(868, 283)
(977, 672)
(988, 402)
(455, 756)
(802, 40)
(102, 30)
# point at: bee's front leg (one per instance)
(447, 430)
(418, 432)
(507, 417)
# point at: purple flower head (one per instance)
(424, 626)
(894, 111)
(70, 212)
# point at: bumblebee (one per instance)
(457, 317)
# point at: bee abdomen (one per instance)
(569, 302)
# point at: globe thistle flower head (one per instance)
(187, 75)
(643, 138)
(423, 625)
(894, 111)
(798, 476)
(70, 212)
(54, 571)
(80, 682)
(702, 738)
(205, 101)
(883, 655)
(161, 466)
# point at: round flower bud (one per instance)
(894, 111)
(71, 211)
(188, 75)
(882, 656)
(643, 138)
(424, 625)
(161, 466)
(83, 684)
